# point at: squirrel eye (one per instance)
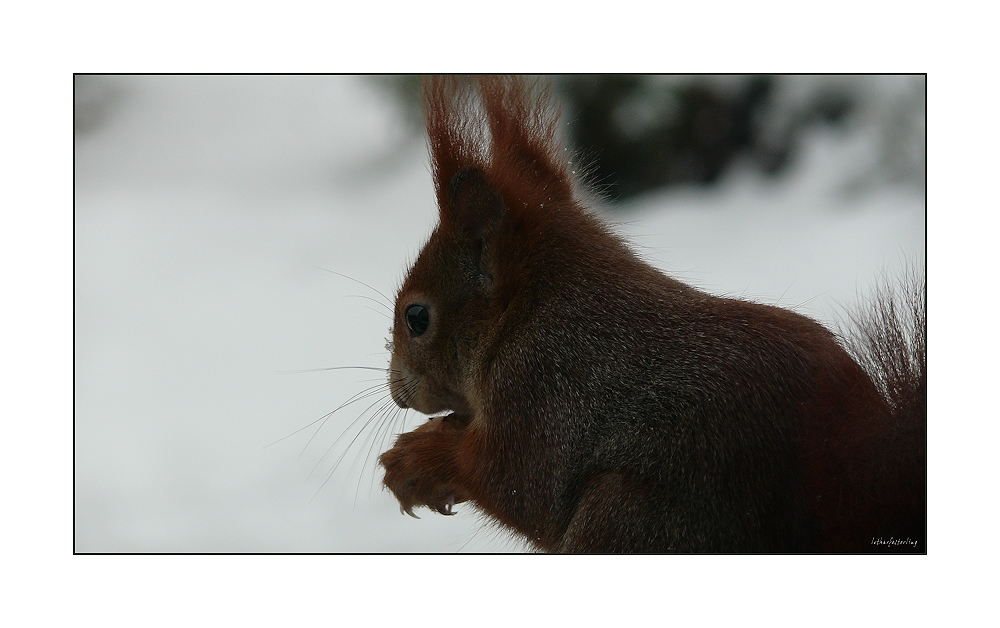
(417, 319)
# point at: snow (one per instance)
(207, 209)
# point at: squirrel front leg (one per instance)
(421, 469)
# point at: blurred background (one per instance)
(209, 210)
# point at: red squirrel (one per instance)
(595, 404)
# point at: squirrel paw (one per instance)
(417, 478)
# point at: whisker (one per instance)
(373, 310)
(386, 419)
(346, 431)
(382, 413)
(325, 416)
(364, 394)
(387, 299)
(391, 428)
(334, 368)
(344, 453)
(360, 296)
(387, 428)
(347, 449)
(386, 414)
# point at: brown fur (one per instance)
(598, 405)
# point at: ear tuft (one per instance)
(476, 206)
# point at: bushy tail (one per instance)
(888, 338)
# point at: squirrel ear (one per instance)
(476, 205)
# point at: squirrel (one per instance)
(591, 403)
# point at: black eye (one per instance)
(417, 319)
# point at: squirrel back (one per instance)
(599, 405)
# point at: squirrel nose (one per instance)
(403, 383)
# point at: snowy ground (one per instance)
(206, 209)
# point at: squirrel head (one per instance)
(500, 178)
(443, 307)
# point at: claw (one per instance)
(407, 510)
(447, 508)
